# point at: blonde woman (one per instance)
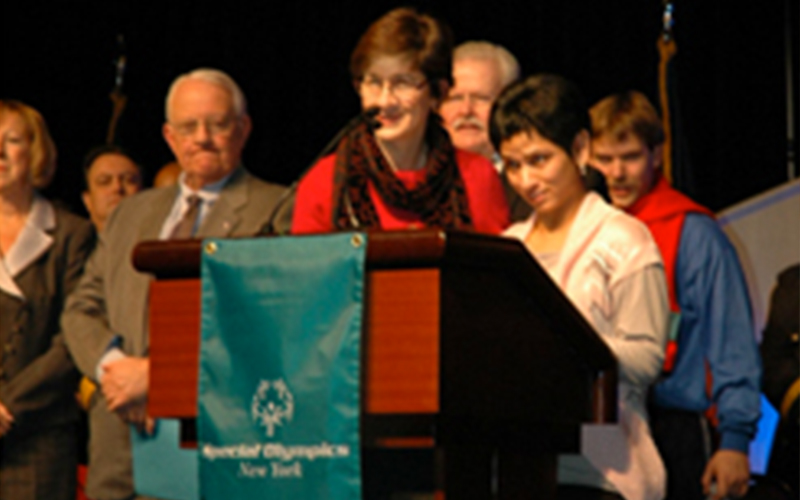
(42, 250)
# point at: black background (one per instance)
(291, 61)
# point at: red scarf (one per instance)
(663, 210)
(440, 201)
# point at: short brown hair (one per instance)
(427, 41)
(43, 149)
(630, 112)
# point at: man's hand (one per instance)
(6, 420)
(136, 414)
(125, 381)
(730, 470)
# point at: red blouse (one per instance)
(487, 202)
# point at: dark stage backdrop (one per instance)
(291, 60)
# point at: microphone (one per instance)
(369, 116)
(366, 116)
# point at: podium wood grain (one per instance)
(402, 355)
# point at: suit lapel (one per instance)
(225, 215)
(158, 211)
(155, 214)
(32, 242)
(7, 283)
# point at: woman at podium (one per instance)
(605, 261)
(396, 168)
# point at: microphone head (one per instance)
(369, 115)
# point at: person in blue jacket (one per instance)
(713, 358)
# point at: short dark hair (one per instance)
(426, 40)
(98, 151)
(549, 104)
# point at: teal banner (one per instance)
(161, 468)
(278, 396)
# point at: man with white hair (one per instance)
(480, 71)
(104, 320)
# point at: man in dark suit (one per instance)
(105, 319)
(110, 175)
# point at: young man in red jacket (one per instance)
(713, 332)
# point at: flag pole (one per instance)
(666, 49)
(118, 98)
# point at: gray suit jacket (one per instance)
(110, 303)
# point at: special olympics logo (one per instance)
(272, 405)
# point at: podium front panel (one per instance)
(401, 366)
(174, 348)
(401, 359)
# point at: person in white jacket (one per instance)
(605, 261)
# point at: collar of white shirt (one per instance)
(208, 193)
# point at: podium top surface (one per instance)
(172, 259)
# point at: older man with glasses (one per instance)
(481, 70)
(104, 321)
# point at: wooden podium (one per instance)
(472, 357)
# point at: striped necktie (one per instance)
(185, 228)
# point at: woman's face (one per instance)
(543, 174)
(403, 95)
(15, 152)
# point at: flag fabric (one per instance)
(278, 395)
(154, 455)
